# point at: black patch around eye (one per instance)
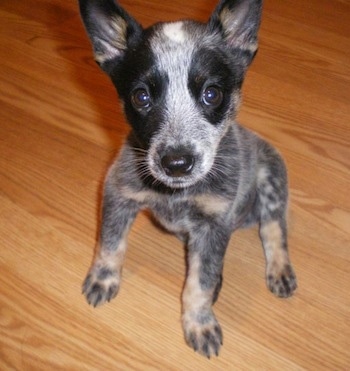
(144, 111)
(138, 82)
(213, 69)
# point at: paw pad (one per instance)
(282, 282)
(101, 285)
(204, 338)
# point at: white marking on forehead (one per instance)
(174, 32)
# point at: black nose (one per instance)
(177, 165)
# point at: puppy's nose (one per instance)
(177, 165)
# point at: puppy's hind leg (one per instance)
(272, 193)
(103, 280)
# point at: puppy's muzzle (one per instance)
(177, 164)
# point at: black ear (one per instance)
(111, 30)
(238, 21)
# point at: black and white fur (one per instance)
(186, 158)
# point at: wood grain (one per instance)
(60, 127)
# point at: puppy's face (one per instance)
(180, 91)
(179, 82)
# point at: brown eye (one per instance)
(141, 99)
(212, 96)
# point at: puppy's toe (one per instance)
(101, 285)
(205, 337)
(282, 281)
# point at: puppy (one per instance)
(186, 159)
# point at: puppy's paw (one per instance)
(281, 280)
(203, 333)
(101, 284)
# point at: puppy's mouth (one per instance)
(176, 169)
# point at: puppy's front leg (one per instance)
(206, 251)
(280, 276)
(103, 280)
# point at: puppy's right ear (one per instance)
(238, 22)
(111, 30)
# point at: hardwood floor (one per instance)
(60, 127)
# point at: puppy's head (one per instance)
(180, 82)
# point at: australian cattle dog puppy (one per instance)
(186, 159)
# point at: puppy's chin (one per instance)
(176, 182)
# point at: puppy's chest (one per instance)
(176, 216)
(182, 214)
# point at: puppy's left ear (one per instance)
(238, 21)
(111, 29)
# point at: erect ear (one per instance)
(111, 29)
(238, 21)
